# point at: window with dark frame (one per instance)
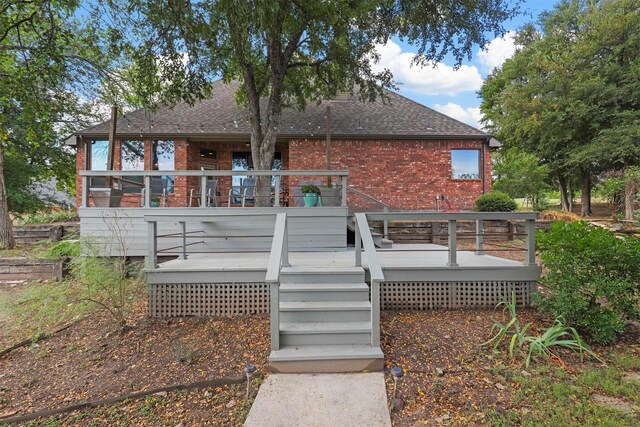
(465, 164)
(163, 159)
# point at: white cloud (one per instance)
(470, 115)
(429, 80)
(497, 51)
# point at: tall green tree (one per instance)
(288, 53)
(570, 93)
(520, 174)
(45, 54)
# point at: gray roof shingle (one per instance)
(219, 115)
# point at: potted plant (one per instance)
(311, 193)
(155, 202)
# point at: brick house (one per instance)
(396, 150)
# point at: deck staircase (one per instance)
(378, 239)
(324, 321)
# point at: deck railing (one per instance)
(364, 239)
(452, 219)
(354, 206)
(278, 258)
(146, 187)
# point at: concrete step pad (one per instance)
(321, 400)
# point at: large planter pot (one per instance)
(331, 196)
(310, 199)
(106, 197)
(154, 203)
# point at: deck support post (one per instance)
(385, 224)
(530, 244)
(285, 245)
(152, 256)
(147, 191)
(275, 315)
(453, 245)
(479, 237)
(183, 230)
(343, 188)
(358, 244)
(375, 313)
(204, 197)
(276, 196)
(85, 192)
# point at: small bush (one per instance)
(64, 249)
(48, 217)
(309, 189)
(593, 278)
(495, 202)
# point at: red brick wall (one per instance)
(403, 174)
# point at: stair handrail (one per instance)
(278, 258)
(364, 239)
(385, 208)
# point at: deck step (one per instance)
(322, 275)
(290, 292)
(324, 311)
(326, 358)
(325, 333)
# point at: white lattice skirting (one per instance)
(450, 295)
(208, 299)
(230, 299)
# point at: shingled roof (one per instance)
(220, 117)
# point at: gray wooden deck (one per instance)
(401, 262)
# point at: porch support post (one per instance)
(276, 197)
(343, 185)
(204, 197)
(530, 256)
(147, 191)
(385, 224)
(152, 237)
(453, 244)
(375, 313)
(479, 237)
(85, 192)
(358, 244)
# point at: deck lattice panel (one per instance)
(450, 295)
(208, 299)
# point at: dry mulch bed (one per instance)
(89, 361)
(422, 342)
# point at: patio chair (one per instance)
(211, 194)
(246, 194)
(158, 189)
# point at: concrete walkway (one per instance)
(321, 400)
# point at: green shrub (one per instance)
(48, 217)
(64, 249)
(495, 202)
(593, 278)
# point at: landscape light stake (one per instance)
(397, 374)
(248, 371)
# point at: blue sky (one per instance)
(449, 91)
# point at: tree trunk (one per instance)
(630, 190)
(572, 195)
(6, 228)
(585, 198)
(564, 198)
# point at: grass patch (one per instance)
(553, 396)
(40, 308)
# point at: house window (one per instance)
(465, 164)
(132, 154)
(99, 152)
(163, 159)
(243, 161)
